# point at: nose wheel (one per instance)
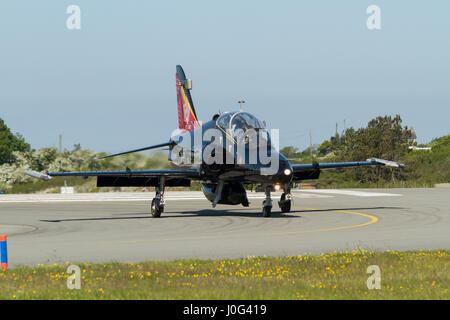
(267, 203)
(267, 211)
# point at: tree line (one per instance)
(10, 143)
(16, 156)
(384, 137)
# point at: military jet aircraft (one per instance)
(232, 149)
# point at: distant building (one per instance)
(413, 141)
(414, 148)
(413, 138)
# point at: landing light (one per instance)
(277, 187)
(287, 171)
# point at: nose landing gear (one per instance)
(267, 203)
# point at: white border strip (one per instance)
(352, 193)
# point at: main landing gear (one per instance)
(158, 200)
(285, 201)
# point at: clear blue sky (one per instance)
(300, 65)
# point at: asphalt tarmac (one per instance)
(106, 227)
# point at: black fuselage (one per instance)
(193, 146)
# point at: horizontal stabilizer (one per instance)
(165, 144)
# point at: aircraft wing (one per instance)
(312, 170)
(128, 178)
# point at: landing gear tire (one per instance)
(285, 205)
(267, 211)
(158, 200)
(156, 209)
(267, 203)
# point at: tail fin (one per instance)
(187, 118)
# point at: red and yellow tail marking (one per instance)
(186, 117)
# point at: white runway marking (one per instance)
(351, 193)
(126, 197)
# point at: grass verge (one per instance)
(404, 275)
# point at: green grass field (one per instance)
(404, 275)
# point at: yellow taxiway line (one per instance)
(372, 220)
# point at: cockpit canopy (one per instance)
(231, 121)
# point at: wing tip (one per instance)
(37, 175)
(387, 163)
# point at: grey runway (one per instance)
(46, 229)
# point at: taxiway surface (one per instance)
(104, 227)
